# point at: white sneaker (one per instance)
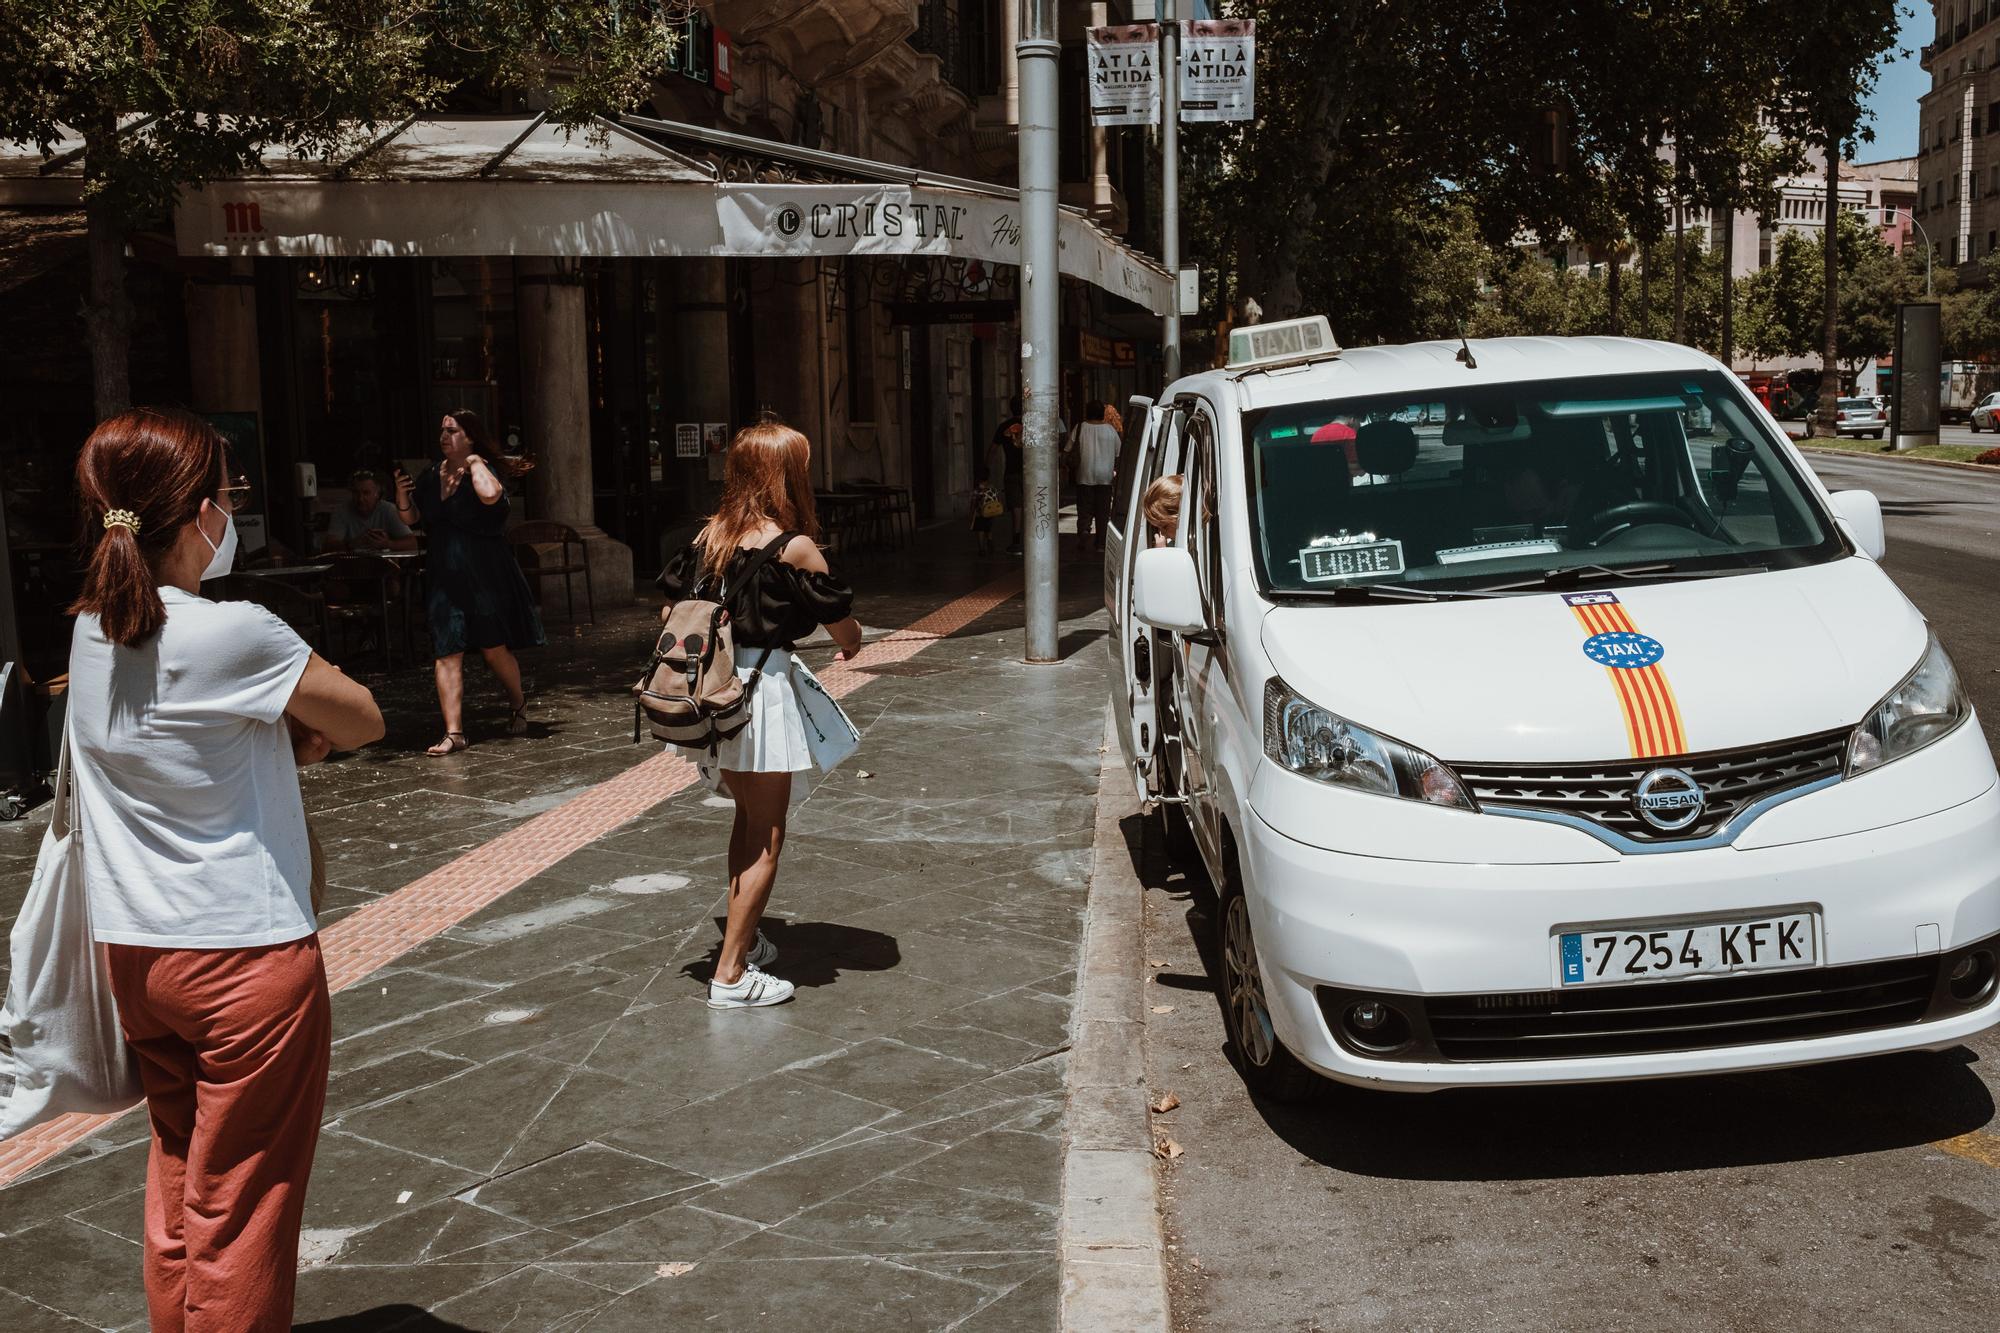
(763, 953)
(753, 990)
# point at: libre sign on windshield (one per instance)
(1327, 562)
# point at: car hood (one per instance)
(1744, 660)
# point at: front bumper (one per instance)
(1356, 924)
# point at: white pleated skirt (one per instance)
(774, 740)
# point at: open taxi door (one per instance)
(1149, 445)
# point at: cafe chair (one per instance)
(359, 590)
(552, 545)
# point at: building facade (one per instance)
(622, 373)
(1958, 153)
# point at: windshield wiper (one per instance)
(1572, 575)
(1395, 592)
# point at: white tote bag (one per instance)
(64, 1048)
(830, 733)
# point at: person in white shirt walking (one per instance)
(187, 722)
(1096, 443)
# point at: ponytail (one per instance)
(140, 479)
(120, 586)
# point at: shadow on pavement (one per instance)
(814, 953)
(1638, 1128)
(381, 1319)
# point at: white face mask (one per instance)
(224, 558)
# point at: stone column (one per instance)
(224, 368)
(556, 396)
(225, 374)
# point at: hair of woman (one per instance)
(140, 479)
(766, 480)
(487, 446)
(1161, 503)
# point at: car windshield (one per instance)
(1515, 486)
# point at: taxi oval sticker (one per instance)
(1620, 648)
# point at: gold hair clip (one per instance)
(121, 518)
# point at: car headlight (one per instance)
(1326, 747)
(1928, 703)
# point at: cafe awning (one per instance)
(519, 185)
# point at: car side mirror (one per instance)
(1861, 514)
(1165, 592)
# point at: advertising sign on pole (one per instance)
(687, 439)
(1123, 86)
(1913, 407)
(1218, 70)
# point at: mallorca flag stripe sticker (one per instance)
(1632, 662)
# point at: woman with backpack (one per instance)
(759, 557)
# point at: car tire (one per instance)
(1974, 425)
(1874, 434)
(1269, 1070)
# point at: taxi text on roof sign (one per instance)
(1287, 340)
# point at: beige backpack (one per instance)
(690, 693)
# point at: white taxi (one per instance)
(1540, 718)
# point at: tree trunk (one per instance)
(1680, 268)
(108, 314)
(1645, 289)
(1726, 354)
(1829, 376)
(1611, 292)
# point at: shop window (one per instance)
(860, 342)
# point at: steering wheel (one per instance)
(1608, 523)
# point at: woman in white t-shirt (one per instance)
(188, 720)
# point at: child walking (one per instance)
(986, 506)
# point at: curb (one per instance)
(1986, 469)
(1114, 1277)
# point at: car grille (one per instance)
(1683, 1015)
(1693, 1015)
(1604, 793)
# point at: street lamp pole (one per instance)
(1927, 243)
(1038, 54)
(1170, 184)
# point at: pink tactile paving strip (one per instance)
(385, 930)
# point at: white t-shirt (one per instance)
(193, 833)
(1096, 453)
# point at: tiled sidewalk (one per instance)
(534, 1122)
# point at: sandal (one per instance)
(453, 742)
(517, 721)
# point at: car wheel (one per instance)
(1975, 425)
(1874, 434)
(1267, 1067)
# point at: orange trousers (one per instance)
(233, 1046)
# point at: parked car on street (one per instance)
(1535, 733)
(1983, 415)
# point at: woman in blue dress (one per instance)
(479, 598)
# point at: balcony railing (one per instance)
(939, 33)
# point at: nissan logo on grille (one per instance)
(1669, 799)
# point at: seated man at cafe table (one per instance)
(367, 522)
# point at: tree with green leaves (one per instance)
(168, 94)
(1829, 63)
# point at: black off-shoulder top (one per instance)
(783, 604)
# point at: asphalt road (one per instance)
(1863, 1195)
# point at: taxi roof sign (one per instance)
(1287, 340)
